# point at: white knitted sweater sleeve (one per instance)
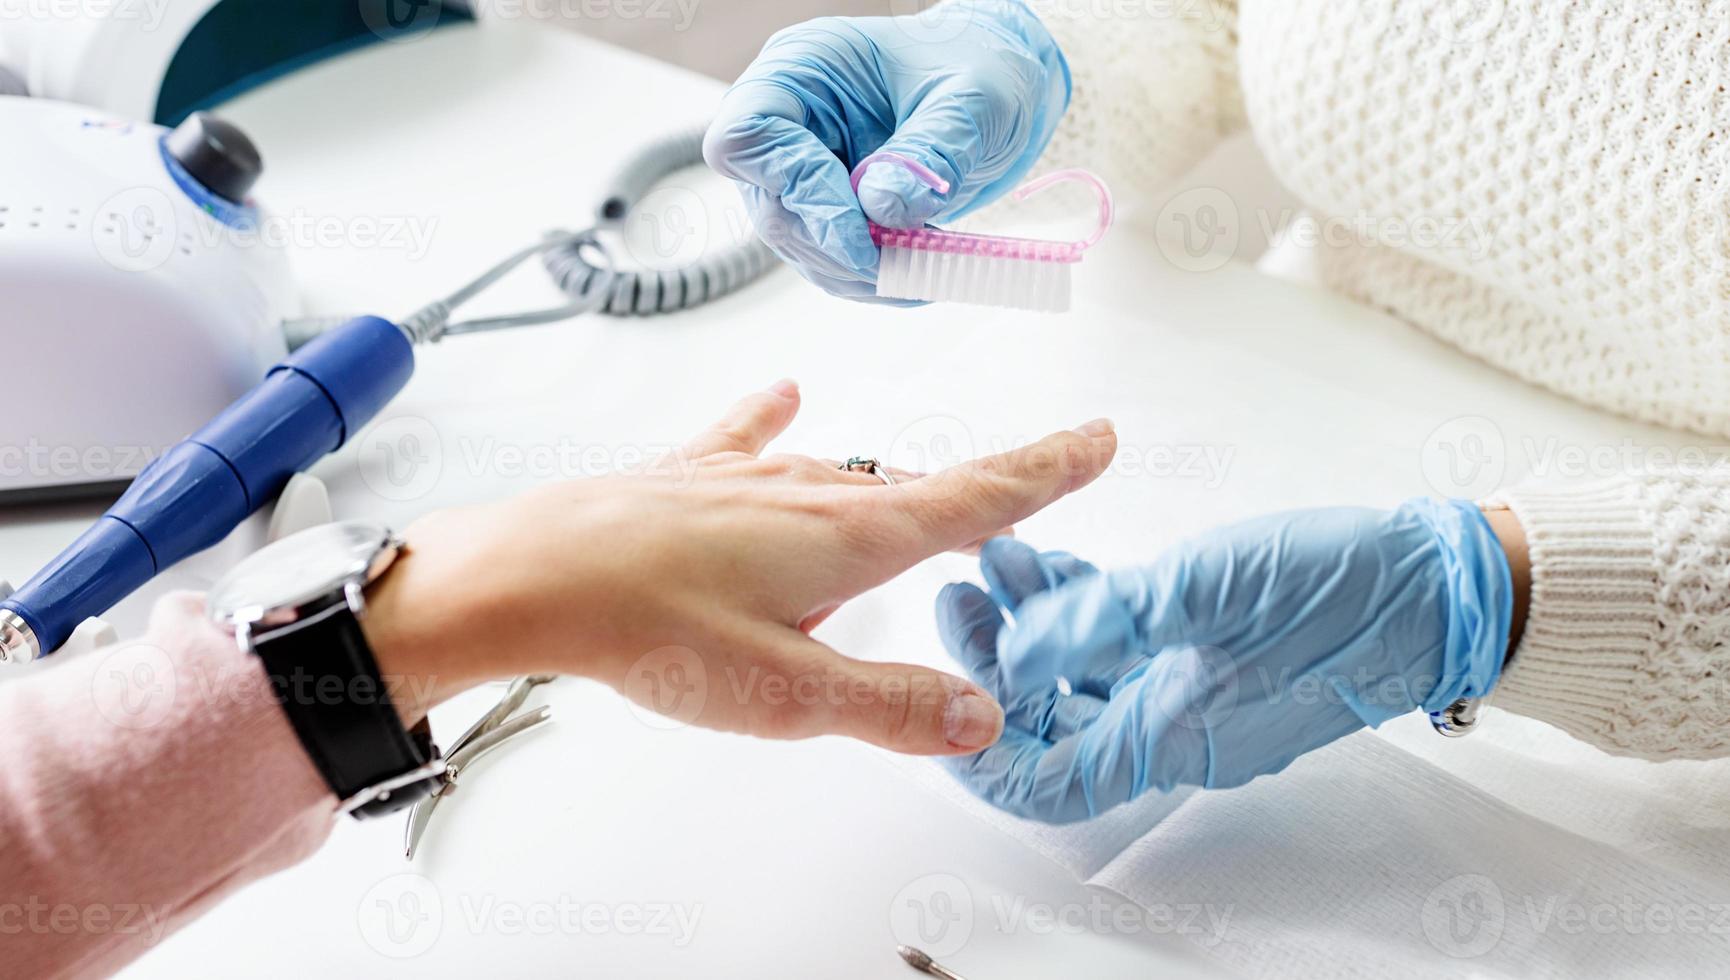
(1590, 280)
(1151, 91)
(1626, 642)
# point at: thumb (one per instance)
(901, 707)
(941, 135)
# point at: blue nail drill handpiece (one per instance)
(193, 495)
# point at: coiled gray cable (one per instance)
(594, 286)
(644, 292)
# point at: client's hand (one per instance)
(706, 573)
(1228, 657)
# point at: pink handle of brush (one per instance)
(1107, 210)
(925, 174)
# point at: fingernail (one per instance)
(786, 387)
(1097, 428)
(972, 722)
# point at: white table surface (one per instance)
(791, 857)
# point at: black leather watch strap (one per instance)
(328, 683)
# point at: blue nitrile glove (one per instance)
(972, 89)
(1227, 658)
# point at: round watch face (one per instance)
(301, 567)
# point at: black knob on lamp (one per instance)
(217, 154)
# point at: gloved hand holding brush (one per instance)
(971, 90)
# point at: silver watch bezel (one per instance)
(250, 621)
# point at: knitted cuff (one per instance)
(1594, 609)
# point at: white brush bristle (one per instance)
(938, 277)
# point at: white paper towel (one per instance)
(1517, 852)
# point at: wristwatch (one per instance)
(297, 604)
(1458, 718)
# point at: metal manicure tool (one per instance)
(920, 960)
(498, 726)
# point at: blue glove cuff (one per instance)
(1480, 598)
